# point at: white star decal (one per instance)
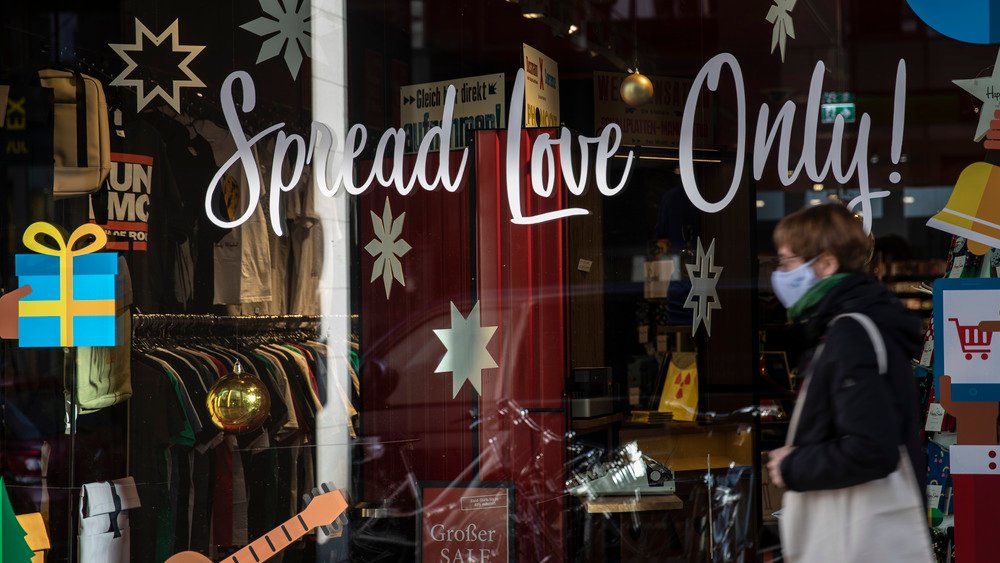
(703, 296)
(290, 25)
(780, 15)
(467, 355)
(142, 97)
(388, 248)
(986, 89)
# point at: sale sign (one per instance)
(462, 524)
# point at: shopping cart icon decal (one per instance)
(970, 306)
(974, 339)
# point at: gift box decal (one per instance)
(74, 290)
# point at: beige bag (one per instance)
(81, 152)
(881, 520)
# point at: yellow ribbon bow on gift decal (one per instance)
(65, 307)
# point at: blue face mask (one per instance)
(792, 285)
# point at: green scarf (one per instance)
(816, 293)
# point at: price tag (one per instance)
(585, 265)
(928, 354)
(934, 496)
(935, 416)
(661, 343)
(643, 334)
(957, 266)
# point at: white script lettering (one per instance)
(781, 130)
(332, 173)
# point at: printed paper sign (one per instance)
(657, 123)
(658, 274)
(479, 104)
(966, 319)
(541, 89)
(466, 524)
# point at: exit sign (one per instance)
(829, 112)
(837, 103)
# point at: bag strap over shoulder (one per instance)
(881, 355)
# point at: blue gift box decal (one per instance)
(74, 291)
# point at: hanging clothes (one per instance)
(211, 492)
(140, 209)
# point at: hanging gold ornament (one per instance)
(637, 89)
(238, 402)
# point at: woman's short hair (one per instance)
(829, 228)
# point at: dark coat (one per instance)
(854, 420)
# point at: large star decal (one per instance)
(143, 98)
(467, 356)
(987, 89)
(387, 247)
(703, 296)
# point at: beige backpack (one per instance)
(81, 155)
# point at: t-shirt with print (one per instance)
(243, 256)
(146, 220)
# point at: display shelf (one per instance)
(685, 446)
(597, 423)
(700, 463)
(616, 504)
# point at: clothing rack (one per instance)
(224, 319)
(164, 325)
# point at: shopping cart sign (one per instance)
(966, 316)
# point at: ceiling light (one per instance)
(817, 187)
(760, 203)
(533, 15)
(909, 199)
(572, 29)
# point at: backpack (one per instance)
(81, 155)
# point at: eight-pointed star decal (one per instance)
(467, 355)
(703, 296)
(289, 28)
(388, 248)
(172, 98)
(780, 16)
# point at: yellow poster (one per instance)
(541, 89)
(680, 389)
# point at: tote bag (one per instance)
(879, 521)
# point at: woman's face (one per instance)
(823, 266)
(788, 260)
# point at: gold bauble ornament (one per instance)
(637, 89)
(238, 402)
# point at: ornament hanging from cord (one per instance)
(636, 88)
(238, 402)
